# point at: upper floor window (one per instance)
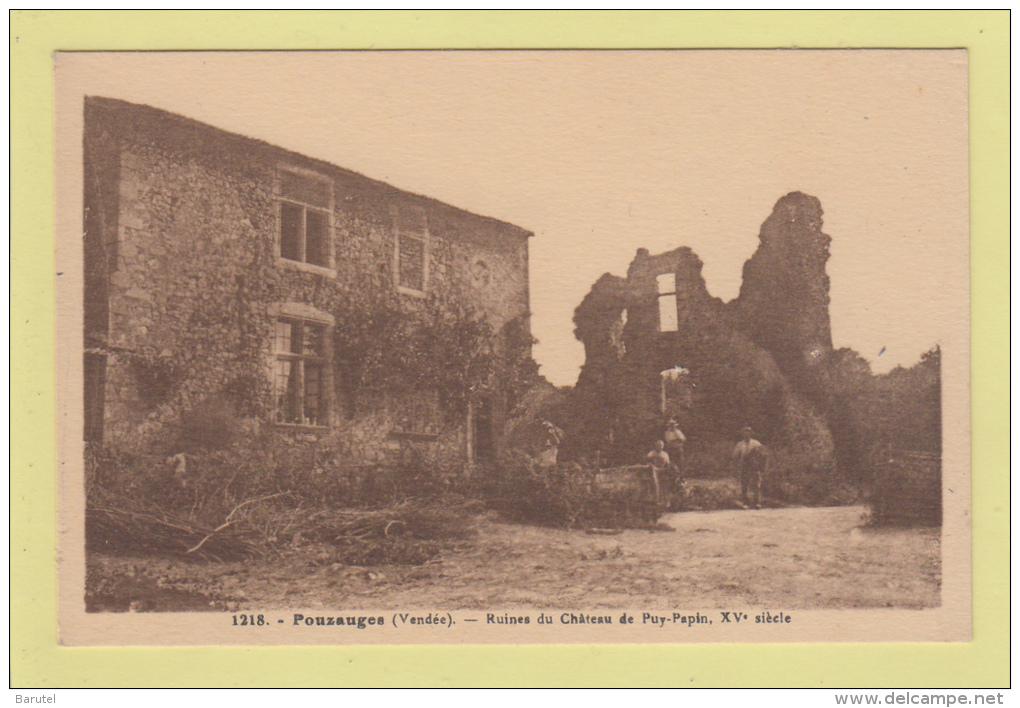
(666, 284)
(305, 228)
(411, 249)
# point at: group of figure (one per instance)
(667, 462)
(668, 471)
(668, 465)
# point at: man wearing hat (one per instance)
(750, 456)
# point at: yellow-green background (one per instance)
(36, 659)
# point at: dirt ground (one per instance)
(813, 558)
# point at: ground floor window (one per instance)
(299, 381)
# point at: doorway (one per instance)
(482, 430)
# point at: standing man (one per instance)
(547, 458)
(659, 460)
(750, 457)
(675, 440)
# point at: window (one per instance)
(667, 302)
(305, 205)
(411, 249)
(299, 377)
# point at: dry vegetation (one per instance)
(258, 532)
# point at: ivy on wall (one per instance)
(157, 376)
(386, 345)
(519, 371)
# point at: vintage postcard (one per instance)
(513, 347)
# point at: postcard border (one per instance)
(38, 661)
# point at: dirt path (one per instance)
(780, 558)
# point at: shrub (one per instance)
(157, 376)
(565, 495)
(710, 495)
(211, 425)
(104, 467)
(255, 496)
(907, 490)
(803, 478)
(708, 458)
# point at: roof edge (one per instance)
(122, 106)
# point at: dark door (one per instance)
(485, 448)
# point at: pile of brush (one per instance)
(115, 524)
(408, 519)
(407, 532)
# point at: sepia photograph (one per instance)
(399, 347)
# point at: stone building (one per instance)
(226, 274)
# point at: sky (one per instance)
(600, 153)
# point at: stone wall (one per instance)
(784, 296)
(731, 375)
(192, 278)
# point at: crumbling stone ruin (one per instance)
(657, 345)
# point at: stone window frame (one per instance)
(423, 236)
(670, 296)
(305, 314)
(330, 268)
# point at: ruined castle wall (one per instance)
(731, 380)
(784, 297)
